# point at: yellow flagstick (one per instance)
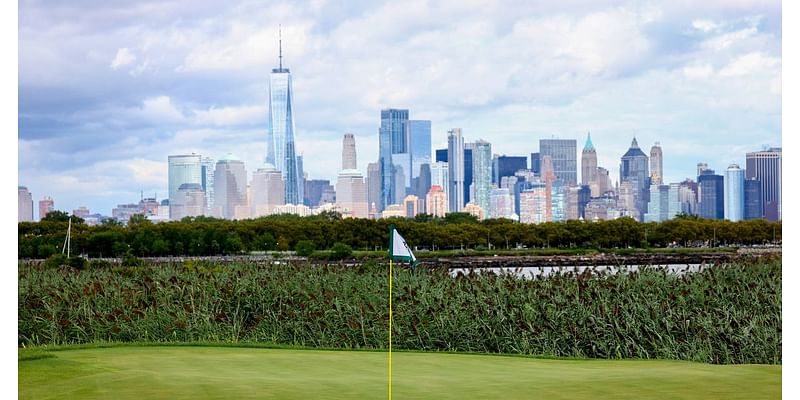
(390, 328)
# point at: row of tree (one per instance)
(202, 236)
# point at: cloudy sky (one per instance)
(106, 92)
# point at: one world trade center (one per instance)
(280, 135)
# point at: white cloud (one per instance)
(726, 40)
(232, 116)
(698, 71)
(124, 57)
(704, 25)
(146, 172)
(750, 63)
(160, 110)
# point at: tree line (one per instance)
(205, 236)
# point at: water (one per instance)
(543, 272)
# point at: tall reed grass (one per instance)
(723, 314)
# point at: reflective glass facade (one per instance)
(280, 135)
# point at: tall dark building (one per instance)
(467, 174)
(441, 155)
(536, 164)
(313, 191)
(766, 167)
(634, 167)
(711, 195)
(507, 166)
(564, 155)
(584, 196)
(753, 208)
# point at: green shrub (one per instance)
(304, 248)
(130, 260)
(46, 250)
(99, 264)
(340, 251)
(76, 262)
(55, 261)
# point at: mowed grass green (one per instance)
(132, 372)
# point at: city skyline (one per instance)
(94, 145)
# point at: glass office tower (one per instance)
(280, 134)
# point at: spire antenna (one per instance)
(280, 49)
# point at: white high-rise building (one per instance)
(455, 163)
(25, 204)
(351, 193)
(734, 193)
(440, 177)
(349, 152)
(183, 169)
(207, 167)
(656, 165)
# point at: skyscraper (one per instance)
(507, 166)
(766, 166)
(440, 177)
(658, 207)
(467, 172)
(455, 164)
(46, 205)
(734, 193)
(536, 163)
(710, 195)
(314, 189)
(422, 183)
(441, 155)
(349, 151)
(753, 209)
(634, 168)
(24, 204)
(373, 186)
(266, 191)
(436, 201)
(502, 204)
(482, 175)
(420, 137)
(589, 166)
(393, 140)
(351, 191)
(189, 202)
(656, 165)
(280, 133)
(534, 205)
(207, 166)
(563, 153)
(230, 185)
(182, 169)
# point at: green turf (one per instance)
(230, 373)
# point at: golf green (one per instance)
(129, 372)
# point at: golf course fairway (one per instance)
(130, 372)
